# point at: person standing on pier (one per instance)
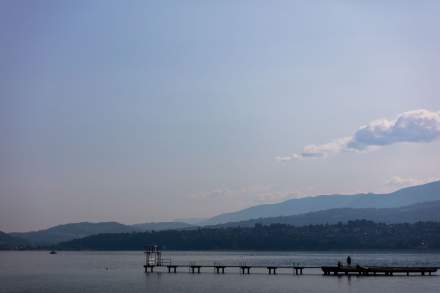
(348, 260)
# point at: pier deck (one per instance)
(376, 270)
(154, 259)
(297, 270)
(217, 268)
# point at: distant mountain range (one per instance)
(400, 198)
(71, 231)
(420, 212)
(412, 204)
(8, 242)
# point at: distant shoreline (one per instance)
(354, 235)
(372, 251)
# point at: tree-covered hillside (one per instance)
(353, 235)
(8, 242)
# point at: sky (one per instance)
(139, 111)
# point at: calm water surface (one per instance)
(37, 271)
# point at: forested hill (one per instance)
(8, 242)
(67, 232)
(353, 235)
(71, 231)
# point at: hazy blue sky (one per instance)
(139, 111)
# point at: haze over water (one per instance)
(96, 272)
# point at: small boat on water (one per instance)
(52, 252)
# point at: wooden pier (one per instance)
(375, 270)
(220, 269)
(154, 260)
(296, 270)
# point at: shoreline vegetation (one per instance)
(354, 235)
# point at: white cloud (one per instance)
(249, 195)
(323, 150)
(399, 182)
(283, 158)
(418, 126)
(414, 126)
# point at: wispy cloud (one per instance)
(399, 182)
(248, 194)
(418, 126)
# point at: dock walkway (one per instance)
(376, 270)
(155, 260)
(220, 269)
(297, 270)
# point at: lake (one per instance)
(37, 271)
